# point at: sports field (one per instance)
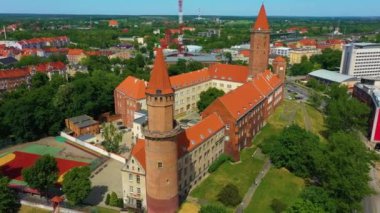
(13, 162)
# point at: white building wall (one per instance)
(361, 62)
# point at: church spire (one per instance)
(262, 20)
(159, 83)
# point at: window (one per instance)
(130, 177)
(138, 178)
(159, 165)
(131, 189)
(138, 190)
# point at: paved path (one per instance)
(306, 118)
(251, 191)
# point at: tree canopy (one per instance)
(9, 202)
(77, 184)
(112, 138)
(207, 97)
(43, 174)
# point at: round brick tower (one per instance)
(260, 44)
(161, 142)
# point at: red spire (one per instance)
(262, 20)
(159, 83)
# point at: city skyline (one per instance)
(194, 7)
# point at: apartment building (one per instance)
(361, 60)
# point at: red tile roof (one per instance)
(262, 20)
(50, 66)
(245, 53)
(189, 79)
(272, 79)
(228, 72)
(75, 52)
(159, 78)
(15, 73)
(262, 85)
(308, 42)
(138, 152)
(279, 59)
(192, 137)
(239, 101)
(113, 23)
(132, 87)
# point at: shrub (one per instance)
(108, 199)
(211, 208)
(229, 195)
(218, 162)
(120, 203)
(278, 206)
(113, 199)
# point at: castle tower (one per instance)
(279, 67)
(260, 41)
(161, 146)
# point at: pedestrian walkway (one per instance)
(252, 189)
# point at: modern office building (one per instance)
(361, 60)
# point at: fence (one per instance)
(93, 148)
(47, 207)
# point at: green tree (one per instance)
(305, 206)
(39, 80)
(107, 201)
(112, 138)
(303, 68)
(329, 59)
(294, 148)
(277, 206)
(9, 202)
(43, 174)
(211, 208)
(343, 170)
(207, 97)
(77, 184)
(338, 105)
(113, 199)
(229, 195)
(319, 197)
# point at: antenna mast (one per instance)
(181, 48)
(5, 33)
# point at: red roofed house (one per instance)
(307, 43)
(75, 55)
(10, 79)
(198, 147)
(50, 69)
(129, 98)
(113, 23)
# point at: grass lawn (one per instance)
(29, 209)
(277, 184)
(105, 210)
(241, 174)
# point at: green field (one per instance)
(277, 184)
(41, 150)
(240, 174)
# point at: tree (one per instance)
(277, 206)
(343, 170)
(303, 68)
(207, 97)
(39, 80)
(9, 201)
(43, 174)
(107, 201)
(77, 184)
(113, 199)
(319, 197)
(336, 111)
(294, 148)
(305, 206)
(112, 138)
(229, 195)
(329, 59)
(212, 208)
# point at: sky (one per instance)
(192, 7)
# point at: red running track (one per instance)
(23, 160)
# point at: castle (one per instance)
(169, 161)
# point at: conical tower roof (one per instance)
(262, 20)
(159, 83)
